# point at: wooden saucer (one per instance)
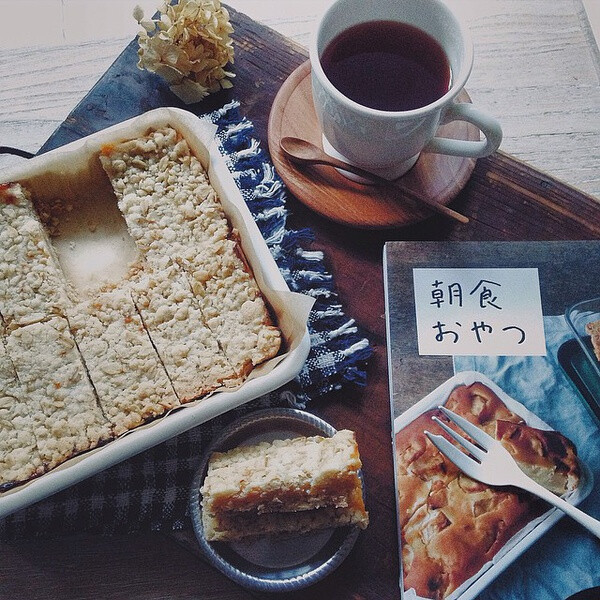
(336, 197)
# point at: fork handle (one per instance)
(575, 513)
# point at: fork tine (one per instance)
(451, 452)
(477, 452)
(480, 436)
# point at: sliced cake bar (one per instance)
(64, 406)
(32, 285)
(187, 348)
(20, 459)
(234, 307)
(164, 194)
(291, 485)
(127, 374)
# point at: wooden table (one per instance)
(506, 199)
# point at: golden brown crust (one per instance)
(451, 525)
(481, 406)
(546, 456)
(593, 328)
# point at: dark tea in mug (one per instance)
(387, 65)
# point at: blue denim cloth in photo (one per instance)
(567, 558)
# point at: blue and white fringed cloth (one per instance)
(338, 350)
(149, 492)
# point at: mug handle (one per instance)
(490, 127)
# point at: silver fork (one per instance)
(490, 463)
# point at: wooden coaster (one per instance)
(326, 191)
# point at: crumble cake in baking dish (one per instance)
(174, 215)
(78, 369)
(285, 486)
(452, 525)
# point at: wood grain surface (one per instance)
(547, 101)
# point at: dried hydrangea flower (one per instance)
(187, 44)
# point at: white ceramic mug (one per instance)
(388, 143)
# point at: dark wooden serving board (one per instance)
(505, 200)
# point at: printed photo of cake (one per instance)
(451, 525)
(78, 370)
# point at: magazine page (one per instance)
(501, 333)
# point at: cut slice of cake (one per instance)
(32, 284)
(164, 193)
(20, 459)
(64, 406)
(234, 307)
(175, 217)
(126, 372)
(291, 485)
(188, 349)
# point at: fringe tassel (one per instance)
(315, 255)
(339, 352)
(359, 351)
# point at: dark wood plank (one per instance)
(263, 60)
(505, 198)
(89, 567)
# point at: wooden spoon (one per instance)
(304, 152)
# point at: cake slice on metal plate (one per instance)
(284, 486)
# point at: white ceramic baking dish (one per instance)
(94, 246)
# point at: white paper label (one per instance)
(483, 312)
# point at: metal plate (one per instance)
(272, 564)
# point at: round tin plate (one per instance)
(272, 564)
